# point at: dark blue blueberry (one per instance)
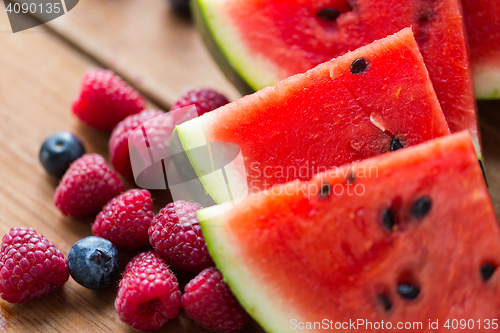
(93, 262)
(59, 151)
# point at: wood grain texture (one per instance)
(146, 43)
(40, 71)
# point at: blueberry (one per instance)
(59, 151)
(93, 262)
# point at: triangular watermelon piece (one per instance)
(257, 43)
(404, 237)
(370, 101)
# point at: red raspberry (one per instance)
(148, 295)
(157, 127)
(208, 300)
(118, 143)
(105, 99)
(176, 236)
(31, 267)
(125, 220)
(87, 185)
(204, 99)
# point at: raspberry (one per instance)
(125, 219)
(118, 143)
(87, 185)
(31, 267)
(204, 99)
(208, 300)
(157, 127)
(148, 294)
(176, 236)
(105, 99)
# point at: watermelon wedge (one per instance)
(406, 237)
(257, 43)
(370, 101)
(482, 20)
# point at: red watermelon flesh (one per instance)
(289, 37)
(328, 116)
(482, 19)
(405, 237)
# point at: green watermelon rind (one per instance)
(486, 80)
(215, 50)
(246, 73)
(238, 277)
(191, 135)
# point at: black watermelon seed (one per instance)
(359, 66)
(396, 144)
(421, 207)
(425, 17)
(351, 178)
(408, 291)
(325, 191)
(388, 219)
(328, 14)
(386, 303)
(487, 271)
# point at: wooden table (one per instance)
(160, 54)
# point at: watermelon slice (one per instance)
(406, 237)
(482, 19)
(262, 42)
(374, 100)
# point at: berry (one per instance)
(154, 138)
(105, 100)
(125, 219)
(148, 295)
(204, 99)
(31, 267)
(86, 186)
(176, 236)
(58, 151)
(118, 143)
(93, 262)
(158, 131)
(153, 135)
(208, 300)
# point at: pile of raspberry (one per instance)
(31, 266)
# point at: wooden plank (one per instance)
(146, 43)
(39, 77)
